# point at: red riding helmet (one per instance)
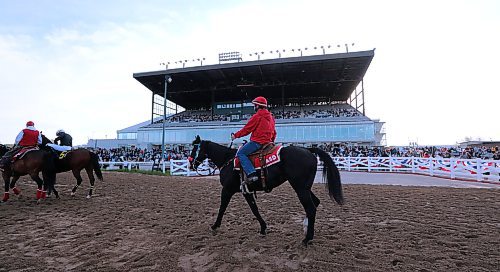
(260, 100)
(30, 124)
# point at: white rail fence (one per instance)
(453, 168)
(177, 167)
(146, 166)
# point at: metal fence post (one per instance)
(479, 170)
(431, 167)
(453, 164)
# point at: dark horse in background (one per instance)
(297, 166)
(75, 161)
(32, 163)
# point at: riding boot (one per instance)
(252, 178)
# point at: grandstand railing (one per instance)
(453, 168)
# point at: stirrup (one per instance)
(244, 189)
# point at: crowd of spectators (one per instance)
(317, 113)
(335, 150)
(306, 112)
(128, 154)
(415, 151)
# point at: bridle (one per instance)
(195, 159)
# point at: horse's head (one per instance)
(3, 149)
(45, 140)
(198, 154)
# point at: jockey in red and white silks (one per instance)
(29, 136)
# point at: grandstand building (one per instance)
(315, 99)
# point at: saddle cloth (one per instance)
(61, 150)
(19, 155)
(59, 147)
(271, 156)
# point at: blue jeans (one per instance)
(243, 153)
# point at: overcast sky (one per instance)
(69, 64)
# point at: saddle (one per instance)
(21, 153)
(267, 155)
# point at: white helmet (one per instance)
(60, 131)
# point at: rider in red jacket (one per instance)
(262, 127)
(26, 138)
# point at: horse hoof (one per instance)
(213, 229)
(306, 242)
(89, 196)
(16, 191)
(72, 194)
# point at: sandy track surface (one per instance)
(150, 223)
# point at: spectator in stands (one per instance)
(262, 127)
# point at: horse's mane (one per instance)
(219, 154)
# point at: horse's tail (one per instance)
(95, 163)
(330, 171)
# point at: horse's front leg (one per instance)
(13, 181)
(251, 202)
(225, 197)
(6, 179)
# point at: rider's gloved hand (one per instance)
(232, 136)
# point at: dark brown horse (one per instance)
(32, 163)
(75, 161)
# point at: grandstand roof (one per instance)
(329, 77)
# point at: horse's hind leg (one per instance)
(315, 199)
(40, 193)
(76, 174)
(307, 202)
(89, 170)
(251, 202)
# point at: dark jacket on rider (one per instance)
(65, 139)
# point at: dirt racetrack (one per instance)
(150, 223)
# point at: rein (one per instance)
(195, 159)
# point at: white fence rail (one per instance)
(147, 166)
(472, 169)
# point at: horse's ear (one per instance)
(198, 138)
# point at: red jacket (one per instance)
(261, 125)
(30, 137)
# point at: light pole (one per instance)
(165, 64)
(347, 47)
(168, 79)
